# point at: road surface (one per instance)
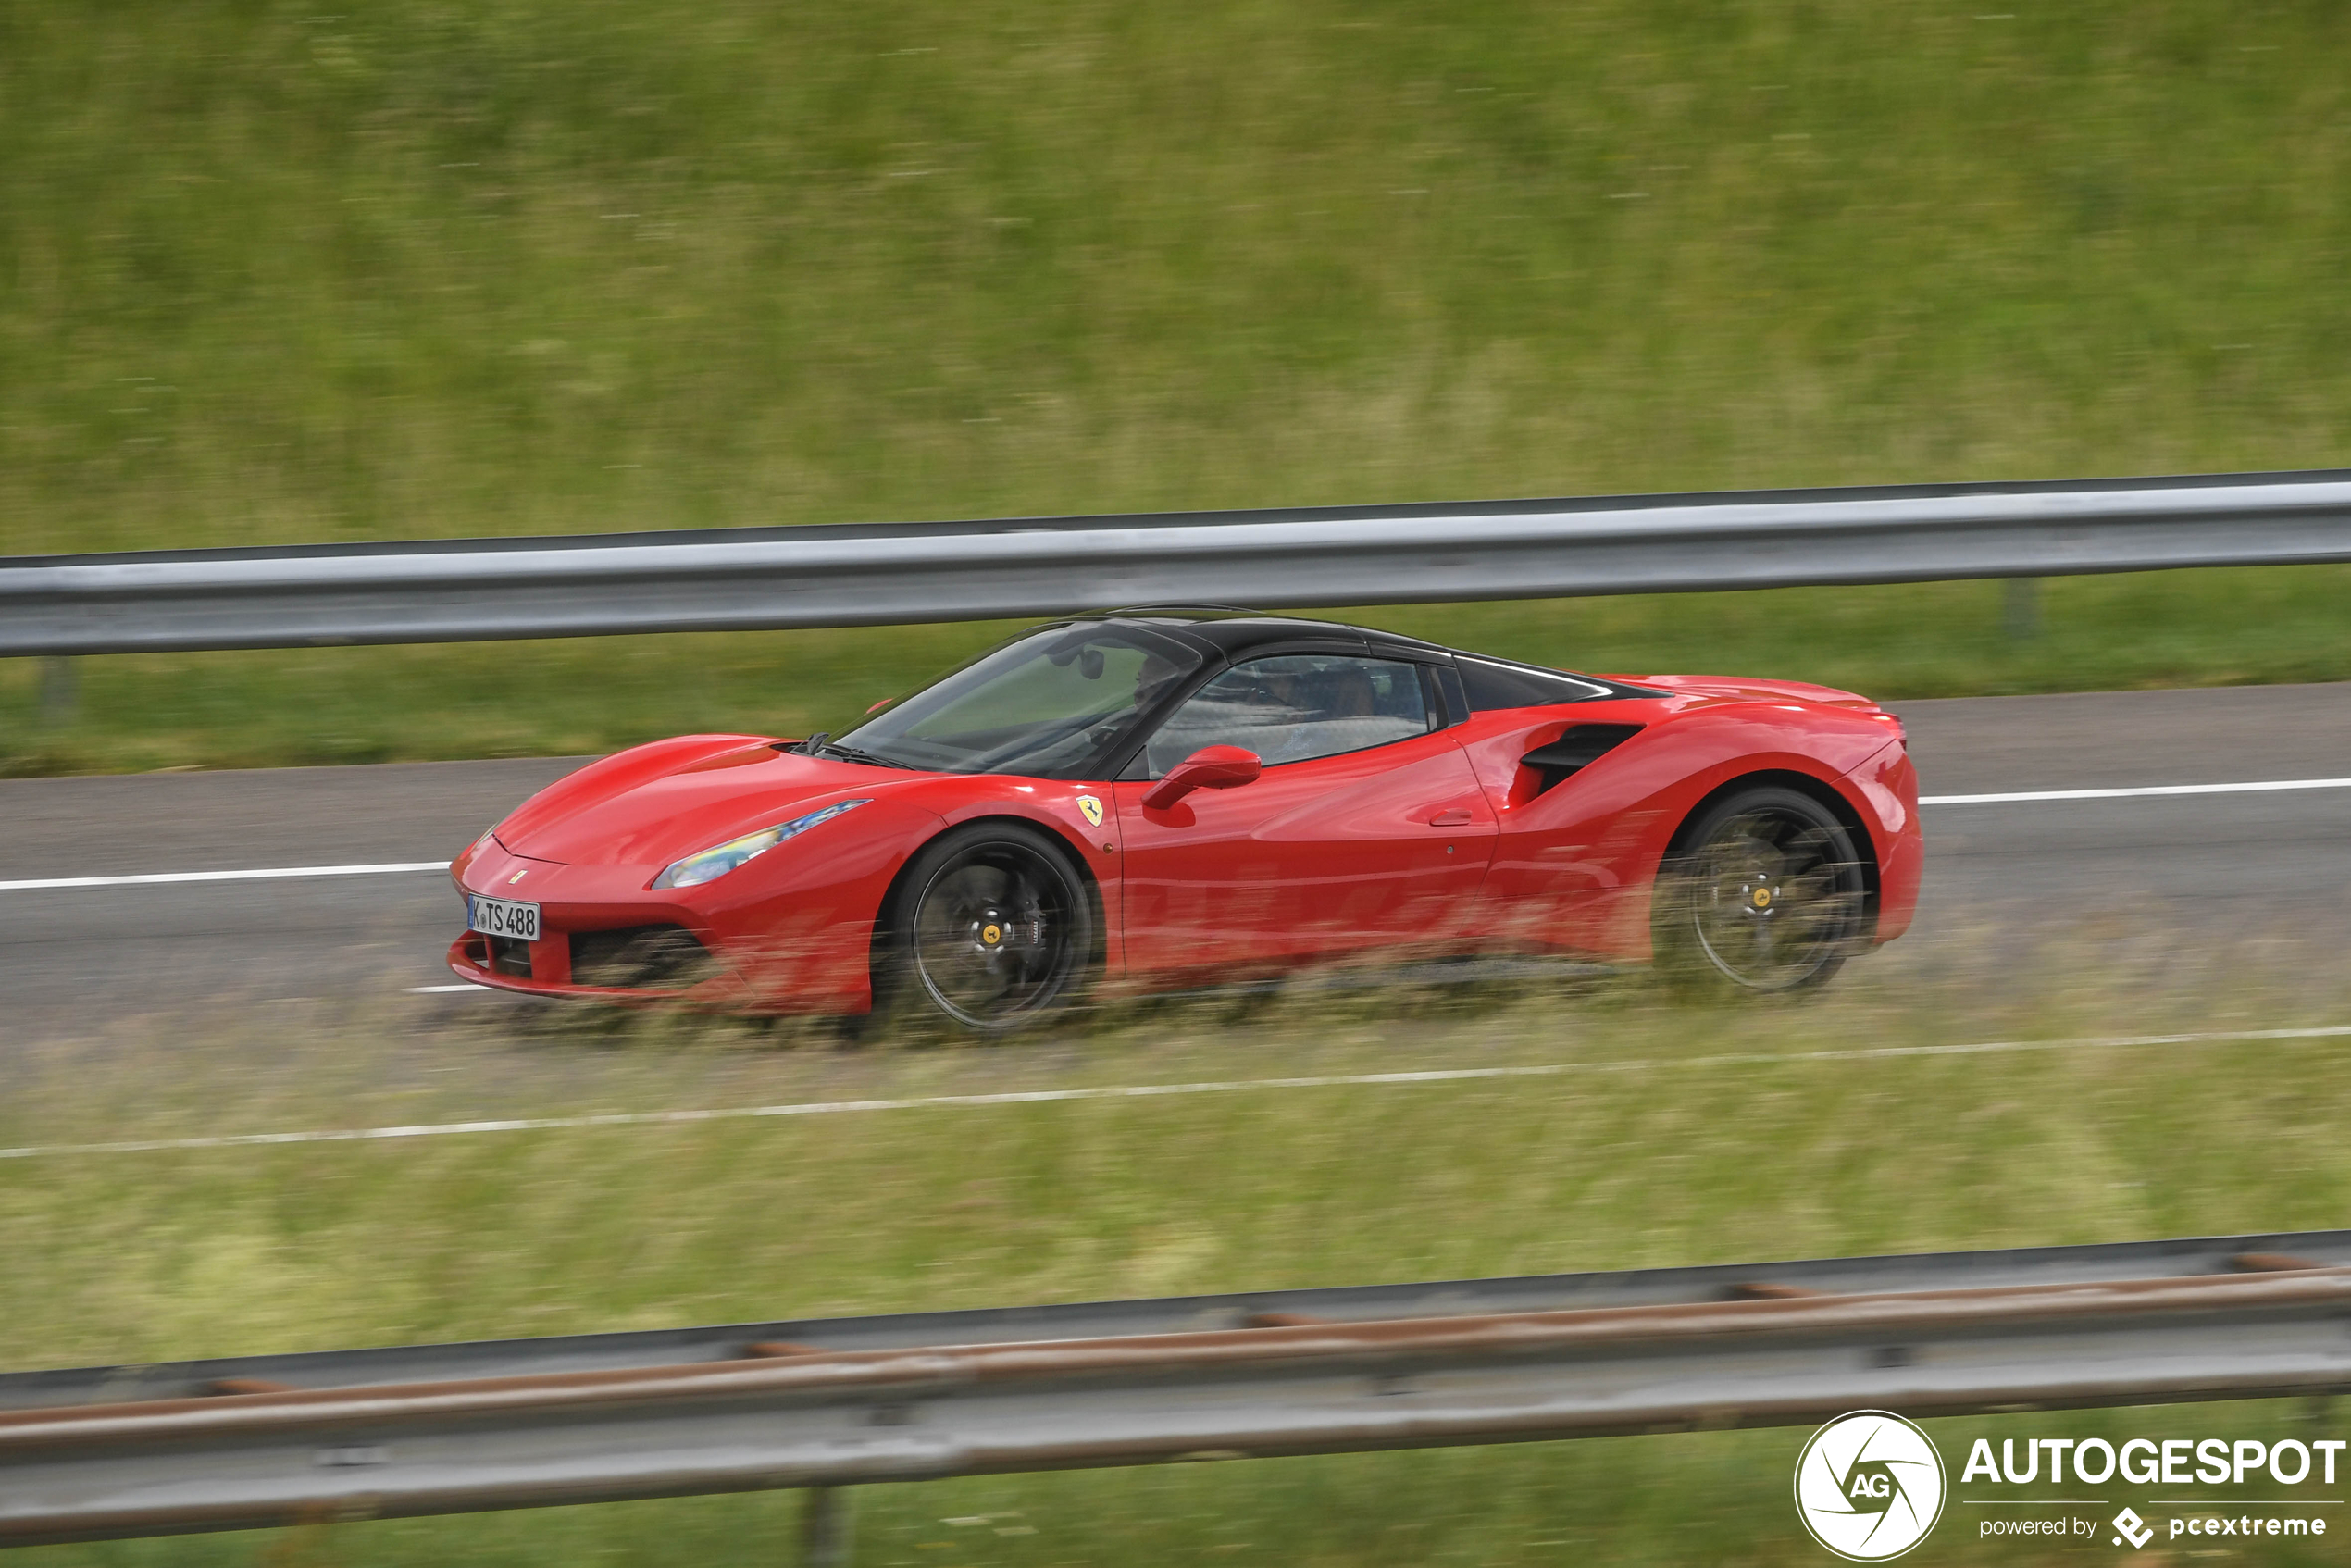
(2206, 867)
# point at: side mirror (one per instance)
(1211, 767)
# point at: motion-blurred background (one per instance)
(269, 275)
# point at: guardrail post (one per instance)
(57, 690)
(2021, 612)
(824, 1528)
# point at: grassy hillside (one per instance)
(273, 275)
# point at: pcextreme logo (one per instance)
(1869, 1485)
(2082, 1468)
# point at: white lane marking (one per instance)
(406, 866)
(2136, 792)
(1146, 1091)
(444, 991)
(388, 868)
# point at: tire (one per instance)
(992, 929)
(1767, 895)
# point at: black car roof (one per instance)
(1234, 632)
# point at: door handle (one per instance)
(1457, 817)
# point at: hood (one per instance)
(1738, 688)
(661, 803)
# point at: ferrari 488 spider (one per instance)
(1167, 798)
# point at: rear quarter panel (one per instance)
(1888, 786)
(1575, 865)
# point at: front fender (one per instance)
(797, 924)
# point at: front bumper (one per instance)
(607, 937)
(545, 970)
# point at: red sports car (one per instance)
(1162, 799)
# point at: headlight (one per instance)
(718, 860)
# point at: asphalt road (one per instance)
(2203, 866)
(2216, 868)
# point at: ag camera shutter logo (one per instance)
(1869, 1485)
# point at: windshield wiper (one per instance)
(852, 754)
(823, 744)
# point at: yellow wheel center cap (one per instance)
(1762, 898)
(991, 935)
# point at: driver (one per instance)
(1153, 678)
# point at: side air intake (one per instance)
(1583, 745)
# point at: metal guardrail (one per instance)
(455, 591)
(116, 1453)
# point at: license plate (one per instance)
(498, 917)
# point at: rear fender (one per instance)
(1887, 786)
(1575, 865)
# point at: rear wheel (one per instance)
(1768, 894)
(992, 929)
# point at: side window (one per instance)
(1491, 684)
(1296, 707)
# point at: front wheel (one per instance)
(1767, 895)
(992, 928)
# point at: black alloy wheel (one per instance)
(993, 928)
(1767, 895)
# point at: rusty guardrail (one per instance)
(2227, 1318)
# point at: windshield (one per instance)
(1043, 705)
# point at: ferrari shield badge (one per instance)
(1090, 809)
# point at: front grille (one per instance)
(510, 955)
(638, 958)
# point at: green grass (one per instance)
(152, 1256)
(276, 275)
(273, 275)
